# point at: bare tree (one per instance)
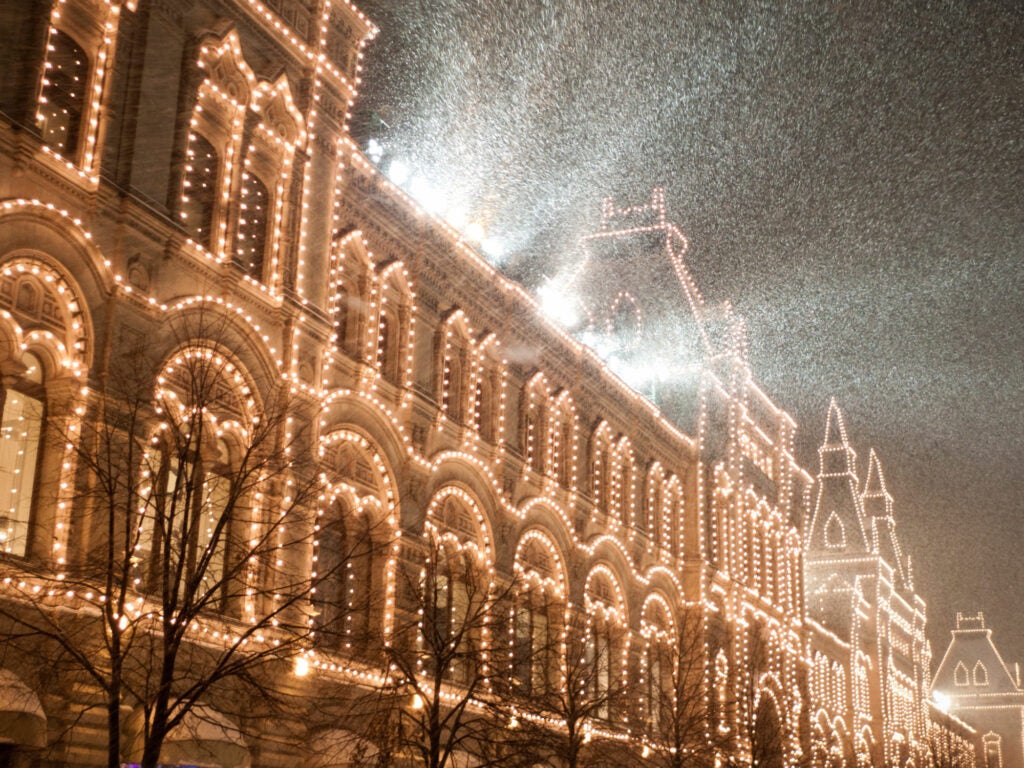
(681, 726)
(440, 656)
(192, 504)
(573, 702)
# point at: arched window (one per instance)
(534, 427)
(835, 534)
(62, 97)
(537, 617)
(601, 469)
(455, 588)
(960, 674)
(605, 616)
(660, 636)
(199, 200)
(330, 595)
(191, 544)
(980, 674)
(563, 431)
(454, 346)
(253, 221)
(22, 401)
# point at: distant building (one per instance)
(975, 684)
(869, 654)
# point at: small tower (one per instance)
(640, 308)
(878, 509)
(838, 521)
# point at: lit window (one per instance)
(960, 676)
(20, 435)
(200, 194)
(253, 218)
(980, 674)
(62, 97)
(835, 534)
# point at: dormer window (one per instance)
(980, 674)
(960, 674)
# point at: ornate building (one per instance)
(352, 411)
(870, 659)
(180, 198)
(975, 684)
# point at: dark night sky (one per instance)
(850, 176)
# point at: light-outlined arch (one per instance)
(358, 514)
(534, 408)
(453, 355)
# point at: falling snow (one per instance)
(850, 176)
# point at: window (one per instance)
(186, 519)
(253, 220)
(660, 688)
(454, 348)
(960, 676)
(605, 612)
(980, 674)
(835, 534)
(21, 432)
(62, 98)
(993, 750)
(329, 583)
(533, 651)
(200, 198)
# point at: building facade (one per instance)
(179, 195)
(343, 400)
(870, 658)
(975, 684)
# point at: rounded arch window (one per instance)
(22, 400)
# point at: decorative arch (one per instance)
(354, 536)
(394, 328)
(538, 614)
(454, 347)
(45, 343)
(535, 436)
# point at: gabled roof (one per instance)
(973, 665)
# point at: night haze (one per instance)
(849, 176)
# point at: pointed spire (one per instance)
(838, 505)
(835, 429)
(877, 499)
(836, 455)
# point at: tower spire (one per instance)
(838, 521)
